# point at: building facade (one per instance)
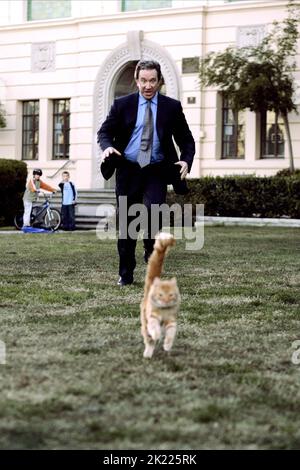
(63, 62)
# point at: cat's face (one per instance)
(165, 294)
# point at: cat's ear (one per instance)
(156, 281)
(174, 280)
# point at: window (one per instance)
(30, 130)
(190, 64)
(272, 135)
(61, 129)
(48, 9)
(131, 5)
(233, 132)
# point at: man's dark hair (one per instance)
(147, 65)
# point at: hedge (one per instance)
(244, 196)
(13, 176)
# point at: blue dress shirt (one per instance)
(132, 150)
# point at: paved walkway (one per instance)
(209, 221)
(252, 221)
(11, 232)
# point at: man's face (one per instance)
(148, 83)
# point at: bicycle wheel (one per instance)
(18, 220)
(52, 219)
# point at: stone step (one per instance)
(88, 223)
(92, 208)
(92, 197)
(91, 226)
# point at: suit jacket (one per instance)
(118, 127)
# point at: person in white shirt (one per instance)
(33, 189)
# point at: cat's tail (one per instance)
(162, 243)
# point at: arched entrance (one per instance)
(125, 82)
(124, 85)
(115, 78)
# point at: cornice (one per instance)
(125, 16)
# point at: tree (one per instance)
(259, 77)
(2, 117)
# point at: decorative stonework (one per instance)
(250, 35)
(43, 57)
(134, 41)
(136, 48)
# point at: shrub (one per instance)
(288, 172)
(244, 196)
(294, 197)
(13, 176)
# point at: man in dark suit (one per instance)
(137, 136)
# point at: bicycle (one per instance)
(43, 216)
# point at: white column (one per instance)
(45, 131)
(17, 11)
(13, 12)
(250, 137)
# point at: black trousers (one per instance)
(68, 216)
(136, 186)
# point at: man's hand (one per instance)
(108, 151)
(183, 170)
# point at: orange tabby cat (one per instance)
(161, 300)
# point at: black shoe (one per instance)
(123, 282)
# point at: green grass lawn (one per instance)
(75, 377)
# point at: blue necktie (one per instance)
(144, 155)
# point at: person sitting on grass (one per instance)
(32, 190)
